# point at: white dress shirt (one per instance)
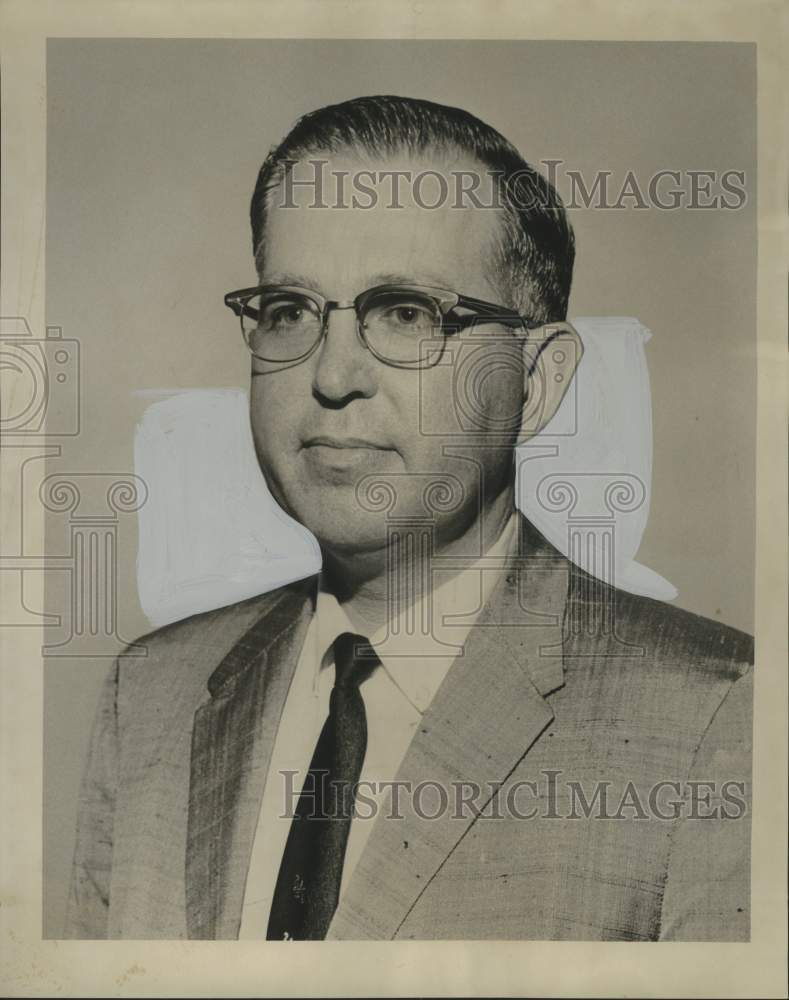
(396, 695)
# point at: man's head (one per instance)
(531, 258)
(342, 428)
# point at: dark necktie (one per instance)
(308, 884)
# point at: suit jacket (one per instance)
(562, 680)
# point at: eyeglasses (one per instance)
(398, 324)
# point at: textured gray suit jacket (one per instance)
(562, 680)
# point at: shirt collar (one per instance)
(415, 663)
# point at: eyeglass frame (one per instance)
(445, 300)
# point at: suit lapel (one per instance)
(486, 715)
(232, 742)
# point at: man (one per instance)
(453, 732)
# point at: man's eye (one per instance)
(408, 314)
(282, 315)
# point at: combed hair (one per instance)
(533, 261)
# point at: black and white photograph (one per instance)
(385, 445)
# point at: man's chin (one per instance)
(350, 532)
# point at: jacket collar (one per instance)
(232, 741)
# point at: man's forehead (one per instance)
(402, 215)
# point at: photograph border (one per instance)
(35, 967)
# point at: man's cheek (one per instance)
(271, 414)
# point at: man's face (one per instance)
(330, 428)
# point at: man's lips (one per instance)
(342, 459)
(342, 443)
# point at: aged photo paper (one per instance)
(394, 499)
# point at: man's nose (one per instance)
(344, 368)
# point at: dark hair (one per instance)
(533, 262)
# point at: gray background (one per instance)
(153, 148)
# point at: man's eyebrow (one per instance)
(422, 278)
(288, 278)
(426, 277)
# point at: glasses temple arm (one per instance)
(502, 313)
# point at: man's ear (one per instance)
(553, 353)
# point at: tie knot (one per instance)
(354, 660)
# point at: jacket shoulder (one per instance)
(182, 655)
(674, 636)
(611, 622)
(657, 668)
